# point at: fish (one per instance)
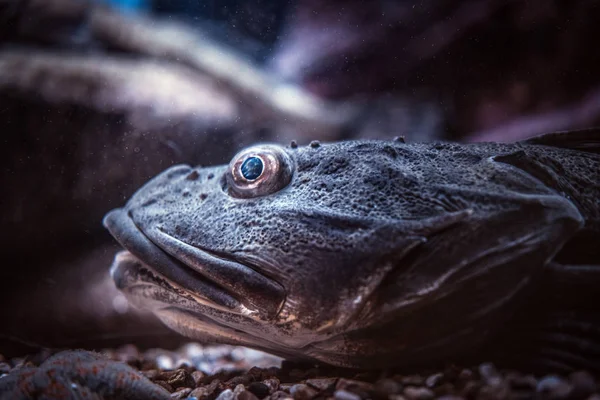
(377, 253)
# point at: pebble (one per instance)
(262, 390)
(584, 384)
(554, 387)
(5, 368)
(412, 380)
(388, 387)
(345, 395)
(322, 384)
(434, 380)
(226, 394)
(279, 395)
(232, 373)
(272, 384)
(302, 391)
(179, 378)
(181, 393)
(418, 393)
(247, 395)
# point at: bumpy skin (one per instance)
(377, 253)
(79, 375)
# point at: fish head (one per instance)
(287, 248)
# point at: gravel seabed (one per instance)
(236, 373)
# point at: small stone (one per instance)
(522, 382)
(198, 377)
(261, 389)
(322, 384)
(165, 385)
(226, 394)
(246, 395)
(470, 390)
(418, 393)
(444, 389)
(128, 354)
(387, 387)
(554, 387)
(272, 385)
(345, 395)
(465, 375)
(285, 386)
(294, 144)
(434, 380)
(583, 383)
(242, 379)
(238, 389)
(301, 391)
(315, 143)
(354, 386)
(256, 373)
(208, 392)
(399, 139)
(4, 368)
(179, 378)
(412, 380)
(489, 374)
(181, 393)
(279, 395)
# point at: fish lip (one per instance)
(122, 227)
(202, 273)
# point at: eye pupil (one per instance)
(252, 168)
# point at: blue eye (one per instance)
(252, 168)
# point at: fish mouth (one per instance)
(211, 280)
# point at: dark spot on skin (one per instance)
(314, 144)
(193, 176)
(210, 176)
(294, 144)
(148, 203)
(399, 139)
(203, 196)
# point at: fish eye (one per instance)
(259, 171)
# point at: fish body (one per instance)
(375, 253)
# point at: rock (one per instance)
(4, 368)
(302, 391)
(272, 385)
(165, 385)
(363, 389)
(198, 377)
(322, 384)
(279, 395)
(489, 374)
(387, 387)
(522, 382)
(181, 393)
(179, 378)
(412, 380)
(247, 395)
(261, 389)
(345, 395)
(434, 380)
(241, 379)
(418, 393)
(553, 387)
(208, 392)
(583, 384)
(226, 394)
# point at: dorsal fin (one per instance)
(583, 140)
